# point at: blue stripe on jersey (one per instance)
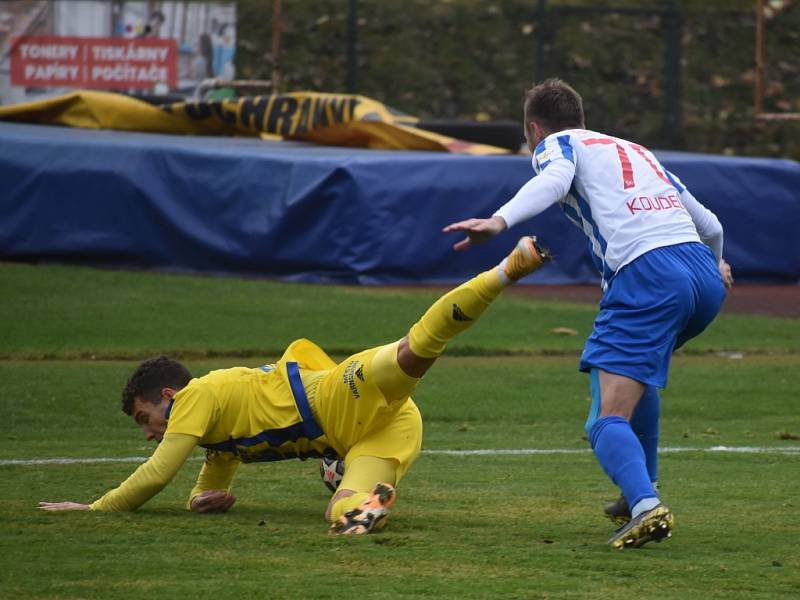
(169, 409)
(312, 428)
(308, 428)
(273, 437)
(674, 181)
(596, 260)
(586, 215)
(566, 148)
(572, 214)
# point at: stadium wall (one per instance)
(320, 214)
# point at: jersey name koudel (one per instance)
(619, 195)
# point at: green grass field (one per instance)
(497, 525)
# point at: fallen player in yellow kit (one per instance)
(303, 406)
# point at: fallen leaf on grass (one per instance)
(564, 331)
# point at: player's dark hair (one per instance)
(150, 378)
(555, 105)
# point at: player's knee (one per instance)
(412, 365)
(393, 381)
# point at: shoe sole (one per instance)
(653, 528)
(384, 495)
(376, 522)
(542, 252)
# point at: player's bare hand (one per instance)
(214, 501)
(726, 273)
(61, 506)
(477, 230)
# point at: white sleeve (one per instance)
(708, 226)
(705, 222)
(541, 192)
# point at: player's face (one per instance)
(150, 417)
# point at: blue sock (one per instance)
(620, 454)
(644, 423)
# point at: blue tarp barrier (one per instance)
(323, 214)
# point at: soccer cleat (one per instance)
(525, 258)
(369, 515)
(618, 511)
(650, 526)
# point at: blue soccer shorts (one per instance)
(652, 306)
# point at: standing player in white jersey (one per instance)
(659, 252)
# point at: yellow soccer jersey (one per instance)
(270, 413)
(249, 413)
(238, 415)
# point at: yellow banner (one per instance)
(333, 119)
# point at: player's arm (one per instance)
(556, 168)
(149, 479)
(540, 193)
(211, 493)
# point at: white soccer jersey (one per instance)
(619, 195)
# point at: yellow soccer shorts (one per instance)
(356, 415)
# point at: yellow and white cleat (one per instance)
(526, 258)
(369, 515)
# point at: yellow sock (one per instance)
(454, 312)
(361, 475)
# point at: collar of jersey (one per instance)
(168, 409)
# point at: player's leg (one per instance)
(614, 442)
(397, 367)
(373, 466)
(620, 453)
(460, 308)
(365, 495)
(658, 301)
(629, 349)
(645, 424)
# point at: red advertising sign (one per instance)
(107, 63)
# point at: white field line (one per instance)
(792, 450)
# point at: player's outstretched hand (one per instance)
(60, 506)
(214, 501)
(726, 273)
(477, 230)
